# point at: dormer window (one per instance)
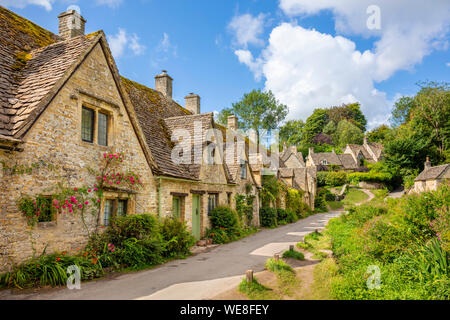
(324, 162)
(243, 170)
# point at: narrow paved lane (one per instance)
(224, 261)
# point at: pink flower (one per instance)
(98, 201)
(70, 210)
(95, 189)
(73, 199)
(69, 205)
(118, 182)
(80, 206)
(89, 190)
(86, 203)
(75, 189)
(34, 202)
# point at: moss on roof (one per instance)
(151, 94)
(38, 36)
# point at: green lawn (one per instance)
(334, 205)
(354, 196)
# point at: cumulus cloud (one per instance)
(122, 40)
(247, 29)
(307, 69)
(47, 4)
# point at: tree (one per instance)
(330, 128)
(347, 132)
(379, 134)
(315, 124)
(432, 110)
(223, 115)
(292, 132)
(401, 111)
(258, 110)
(351, 112)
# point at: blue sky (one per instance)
(309, 53)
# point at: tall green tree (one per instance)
(379, 134)
(350, 112)
(346, 133)
(402, 110)
(292, 132)
(257, 110)
(315, 124)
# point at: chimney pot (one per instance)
(192, 103)
(428, 163)
(163, 84)
(233, 123)
(71, 24)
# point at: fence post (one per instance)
(249, 276)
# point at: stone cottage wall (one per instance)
(53, 152)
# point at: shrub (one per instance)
(277, 266)
(226, 219)
(177, 239)
(282, 216)
(218, 236)
(320, 202)
(331, 178)
(50, 270)
(294, 203)
(293, 255)
(137, 254)
(268, 217)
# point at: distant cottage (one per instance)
(431, 177)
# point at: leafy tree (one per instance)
(432, 111)
(323, 138)
(351, 112)
(330, 128)
(223, 115)
(292, 132)
(401, 111)
(379, 134)
(315, 124)
(258, 110)
(347, 132)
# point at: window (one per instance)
(87, 125)
(229, 195)
(122, 207)
(213, 199)
(243, 171)
(102, 129)
(107, 212)
(324, 162)
(46, 211)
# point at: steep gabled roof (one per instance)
(432, 173)
(347, 160)
(32, 61)
(330, 157)
(357, 148)
(377, 148)
(286, 155)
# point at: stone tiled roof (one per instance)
(347, 161)
(301, 177)
(357, 148)
(32, 61)
(377, 148)
(286, 173)
(432, 173)
(152, 109)
(288, 153)
(330, 157)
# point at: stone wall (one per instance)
(54, 152)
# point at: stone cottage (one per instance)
(431, 177)
(63, 105)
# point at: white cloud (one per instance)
(137, 48)
(110, 3)
(448, 64)
(47, 4)
(121, 40)
(247, 29)
(307, 69)
(166, 46)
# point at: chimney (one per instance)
(163, 84)
(428, 164)
(233, 123)
(333, 151)
(71, 24)
(293, 149)
(192, 103)
(366, 142)
(311, 150)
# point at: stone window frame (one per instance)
(99, 105)
(116, 197)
